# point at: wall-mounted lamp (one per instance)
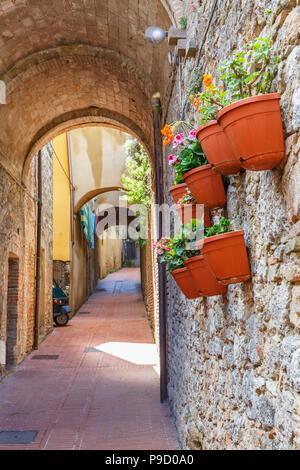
(155, 34)
(185, 48)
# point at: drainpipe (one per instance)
(72, 204)
(38, 255)
(162, 274)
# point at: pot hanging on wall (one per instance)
(226, 254)
(206, 187)
(217, 149)
(187, 212)
(203, 277)
(178, 191)
(186, 284)
(254, 128)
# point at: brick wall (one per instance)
(18, 241)
(61, 273)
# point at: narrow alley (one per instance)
(98, 389)
(150, 225)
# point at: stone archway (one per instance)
(62, 64)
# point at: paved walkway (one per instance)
(102, 392)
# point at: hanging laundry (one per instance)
(87, 220)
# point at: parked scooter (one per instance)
(61, 308)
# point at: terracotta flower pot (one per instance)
(254, 127)
(227, 256)
(203, 277)
(187, 212)
(207, 218)
(178, 191)
(206, 186)
(186, 284)
(217, 149)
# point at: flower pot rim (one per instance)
(179, 270)
(187, 204)
(205, 126)
(176, 186)
(245, 101)
(222, 236)
(194, 258)
(196, 170)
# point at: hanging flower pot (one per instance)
(206, 186)
(207, 218)
(203, 277)
(187, 212)
(227, 256)
(186, 284)
(178, 191)
(254, 127)
(217, 149)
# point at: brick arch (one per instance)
(36, 61)
(76, 55)
(82, 86)
(92, 116)
(92, 194)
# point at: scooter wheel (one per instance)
(62, 319)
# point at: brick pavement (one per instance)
(103, 391)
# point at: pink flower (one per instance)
(172, 160)
(178, 140)
(160, 252)
(192, 135)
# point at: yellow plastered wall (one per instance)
(61, 200)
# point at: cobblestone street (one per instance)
(102, 392)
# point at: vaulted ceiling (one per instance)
(72, 62)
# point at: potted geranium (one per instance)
(225, 252)
(210, 134)
(203, 276)
(179, 188)
(173, 253)
(188, 209)
(192, 168)
(247, 112)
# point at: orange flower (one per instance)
(207, 80)
(168, 139)
(197, 102)
(166, 130)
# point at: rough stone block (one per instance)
(175, 34)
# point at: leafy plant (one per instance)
(173, 252)
(248, 72)
(224, 226)
(187, 198)
(189, 158)
(183, 22)
(191, 155)
(137, 179)
(210, 101)
(253, 68)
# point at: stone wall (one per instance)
(18, 212)
(234, 361)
